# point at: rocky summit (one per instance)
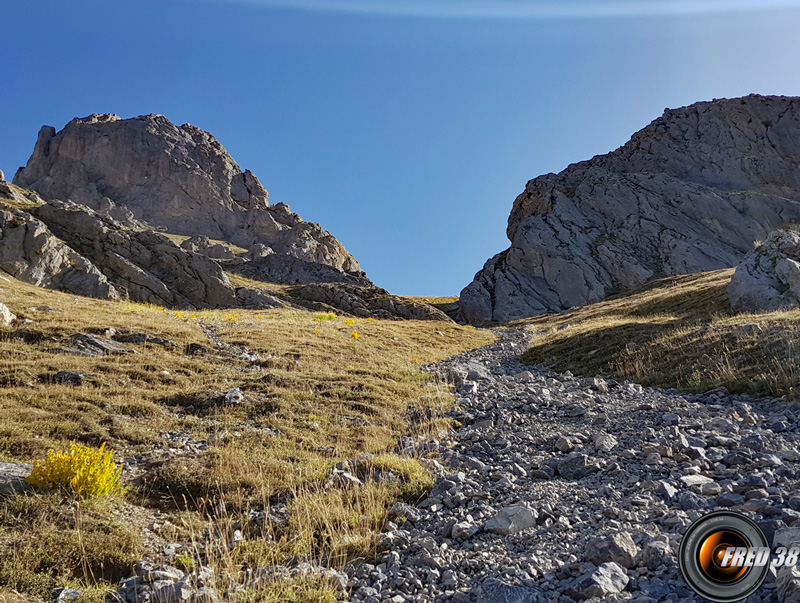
(690, 192)
(144, 210)
(179, 179)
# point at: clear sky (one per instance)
(405, 127)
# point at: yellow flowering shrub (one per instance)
(355, 335)
(83, 470)
(349, 321)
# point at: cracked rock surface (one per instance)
(688, 193)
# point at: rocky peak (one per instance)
(176, 178)
(124, 159)
(688, 193)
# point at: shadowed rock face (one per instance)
(688, 193)
(145, 265)
(180, 179)
(33, 254)
(362, 302)
(290, 270)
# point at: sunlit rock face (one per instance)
(176, 178)
(690, 192)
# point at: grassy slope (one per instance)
(676, 332)
(331, 395)
(445, 304)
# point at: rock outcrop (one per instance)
(688, 193)
(273, 268)
(12, 478)
(6, 316)
(146, 266)
(769, 277)
(30, 252)
(179, 179)
(202, 244)
(362, 302)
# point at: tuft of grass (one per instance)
(298, 590)
(415, 478)
(675, 332)
(47, 541)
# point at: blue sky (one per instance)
(405, 127)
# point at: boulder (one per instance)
(464, 530)
(497, 591)
(654, 553)
(575, 466)
(177, 178)
(618, 548)
(12, 478)
(768, 278)
(788, 582)
(688, 193)
(202, 244)
(510, 520)
(601, 581)
(6, 316)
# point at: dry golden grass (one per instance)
(178, 239)
(45, 541)
(433, 300)
(8, 595)
(25, 203)
(443, 303)
(327, 395)
(676, 332)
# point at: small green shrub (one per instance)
(184, 562)
(83, 470)
(323, 316)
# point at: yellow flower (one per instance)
(349, 321)
(83, 470)
(318, 330)
(193, 315)
(370, 318)
(355, 335)
(415, 360)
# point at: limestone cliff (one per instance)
(688, 193)
(175, 178)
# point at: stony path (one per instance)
(570, 489)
